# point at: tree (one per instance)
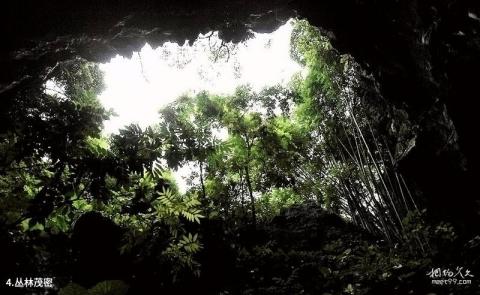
(187, 126)
(57, 166)
(341, 105)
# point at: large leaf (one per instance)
(73, 289)
(113, 287)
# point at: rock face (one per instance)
(96, 240)
(424, 54)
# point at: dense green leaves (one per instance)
(265, 164)
(113, 287)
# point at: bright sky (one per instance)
(137, 88)
(136, 95)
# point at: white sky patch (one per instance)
(182, 176)
(52, 88)
(137, 88)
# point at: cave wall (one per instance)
(424, 54)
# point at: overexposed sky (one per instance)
(137, 88)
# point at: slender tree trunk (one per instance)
(249, 181)
(204, 194)
(202, 183)
(242, 194)
(250, 192)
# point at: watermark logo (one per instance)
(447, 276)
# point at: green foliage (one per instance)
(274, 159)
(77, 77)
(180, 251)
(432, 238)
(271, 203)
(112, 287)
(56, 166)
(309, 252)
(170, 205)
(17, 187)
(73, 289)
(356, 151)
(161, 206)
(98, 146)
(137, 148)
(314, 51)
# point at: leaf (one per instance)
(82, 205)
(112, 287)
(37, 226)
(25, 224)
(73, 289)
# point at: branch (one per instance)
(142, 69)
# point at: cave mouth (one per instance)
(393, 159)
(137, 87)
(178, 107)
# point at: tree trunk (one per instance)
(204, 195)
(252, 200)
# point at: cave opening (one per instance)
(231, 149)
(138, 87)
